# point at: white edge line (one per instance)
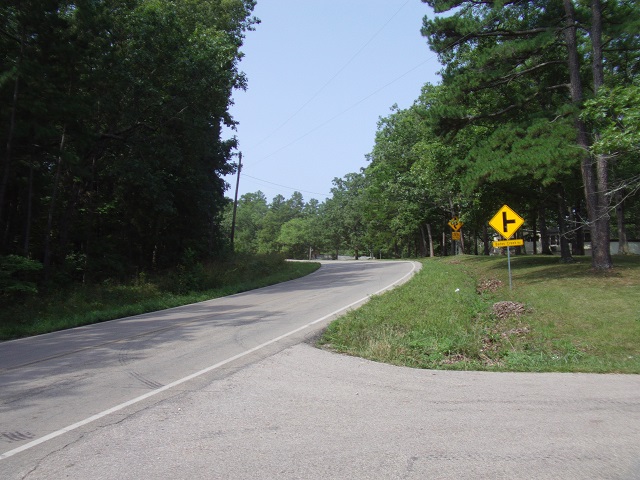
(133, 401)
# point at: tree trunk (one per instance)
(596, 45)
(66, 221)
(623, 243)
(485, 239)
(594, 186)
(603, 260)
(545, 247)
(423, 239)
(565, 251)
(9, 147)
(52, 204)
(579, 237)
(431, 254)
(27, 225)
(534, 233)
(475, 242)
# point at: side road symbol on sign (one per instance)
(506, 222)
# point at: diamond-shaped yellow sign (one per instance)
(506, 222)
(455, 224)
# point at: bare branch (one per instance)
(512, 33)
(513, 76)
(473, 118)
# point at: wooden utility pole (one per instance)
(235, 200)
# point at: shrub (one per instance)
(18, 275)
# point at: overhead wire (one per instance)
(354, 105)
(285, 186)
(351, 107)
(363, 99)
(328, 82)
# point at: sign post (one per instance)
(455, 225)
(507, 222)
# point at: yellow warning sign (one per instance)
(455, 224)
(506, 222)
(455, 235)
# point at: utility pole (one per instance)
(235, 200)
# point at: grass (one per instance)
(454, 314)
(87, 304)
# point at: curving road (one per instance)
(56, 388)
(227, 389)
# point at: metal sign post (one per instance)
(506, 222)
(455, 225)
(509, 266)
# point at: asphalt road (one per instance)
(55, 388)
(290, 411)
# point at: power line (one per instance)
(354, 105)
(378, 90)
(315, 95)
(351, 107)
(284, 186)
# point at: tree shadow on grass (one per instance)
(541, 268)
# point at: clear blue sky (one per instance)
(320, 75)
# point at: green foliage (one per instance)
(250, 214)
(288, 227)
(280, 211)
(616, 113)
(115, 150)
(540, 150)
(296, 237)
(18, 276)
(343, 214)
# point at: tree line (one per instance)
(112, 114)
(113, 154)
(538, 108)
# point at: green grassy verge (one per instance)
(83, 305)
(458, 313)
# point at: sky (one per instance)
(320, 76)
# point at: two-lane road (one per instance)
(54, 387)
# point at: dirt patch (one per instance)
(489, 285)
(504, 310)
(453, 359)
(504, 331)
